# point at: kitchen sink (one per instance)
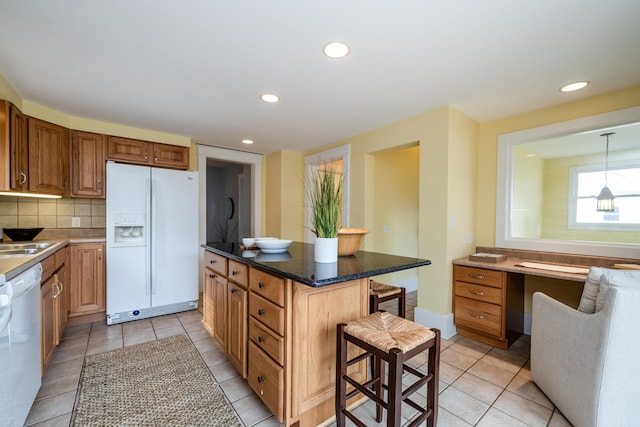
(22, 248)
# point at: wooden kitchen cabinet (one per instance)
(14, 145)
(87, 278)
(480, 303)
(48, 158)
(135, 151)
(53, 306)
(87, 164)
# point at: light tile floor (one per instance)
(479, 384)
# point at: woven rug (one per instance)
(157, 383)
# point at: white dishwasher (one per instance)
(6, 411)
(24, 341)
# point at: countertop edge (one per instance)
(510, 265)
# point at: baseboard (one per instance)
(435, 320)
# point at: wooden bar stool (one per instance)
(394, 340)
(381, 292)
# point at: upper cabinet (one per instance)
(14, 144)
(147, 153)
(48, 158)
(87, 164)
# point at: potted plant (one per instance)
(326, 212)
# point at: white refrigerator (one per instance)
(152, 242)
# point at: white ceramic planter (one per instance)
(325, 250)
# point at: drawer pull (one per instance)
(476, 293)
(260, 285)
(260, 312)
(213, 261)
(260, 338)
(233, 290)
(234, 273)
(476, 276)
(212, 276)
(260, 379)
(477, 316)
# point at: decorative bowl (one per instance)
(349, 240)
(248, 242)
(22, 234)
(273, 245)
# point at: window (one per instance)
(586, 183)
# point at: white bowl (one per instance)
(248, 241)
(273, 244)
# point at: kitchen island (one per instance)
(275, 315)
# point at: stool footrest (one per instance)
(363, 388)
(423, 416)
(358, 358)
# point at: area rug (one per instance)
(157, 383)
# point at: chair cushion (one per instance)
(626, 279)
(590, 291)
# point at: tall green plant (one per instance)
(326, 202)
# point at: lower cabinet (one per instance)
(54, 304)
(87, 281)
(237, 318)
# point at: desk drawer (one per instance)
(270, 343)
(478, 292)
(481, 316)
(238, 273)
(215, 262)
(268, 286)
(480, 276)
(266, 378)
(267, 313)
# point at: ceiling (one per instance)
(197, 68)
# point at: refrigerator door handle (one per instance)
(148, 200)
(154, 223)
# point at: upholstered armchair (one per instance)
(588, 364)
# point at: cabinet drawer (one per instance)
(478, 292)
(480, 276)
(266, 378)
(238, 273)
(215, 262)
(269, 342)
(268, 286)
(267, 312)
(481, 316)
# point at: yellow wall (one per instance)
(528, 179)
(284, 195)
(80, 123)
(488, 144)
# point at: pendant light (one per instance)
(605, 199)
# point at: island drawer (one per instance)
(266, 285)
(270, 343)
(267, 312)
(478, 292)
(480, 276)
(238, 273)
(481, 316)
(266, 378)
(215, 262)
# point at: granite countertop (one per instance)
(12, 265)
(298, 264)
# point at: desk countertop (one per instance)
(297, 263)
(511, 265)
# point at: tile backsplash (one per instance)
(27, 212)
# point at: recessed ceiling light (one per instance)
(336, 50)
(247, 141)
(269, 97)
(574, 86)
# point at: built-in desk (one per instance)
(488, 298)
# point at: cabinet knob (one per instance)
(233, 290)
(260, 285)
(212, 276)
(260, 338)
(260, 312)
(234, 273)
(213, 261)
(260, 379)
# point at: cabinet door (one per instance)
(171, 156)
(48, 158)
(237, 331)
(208, 308)
(128, 150)
(48, 320)
(87, 164)
(220, 311)
(19, 143)
(87, 284)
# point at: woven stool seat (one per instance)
(386, 331)
(383, 290)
